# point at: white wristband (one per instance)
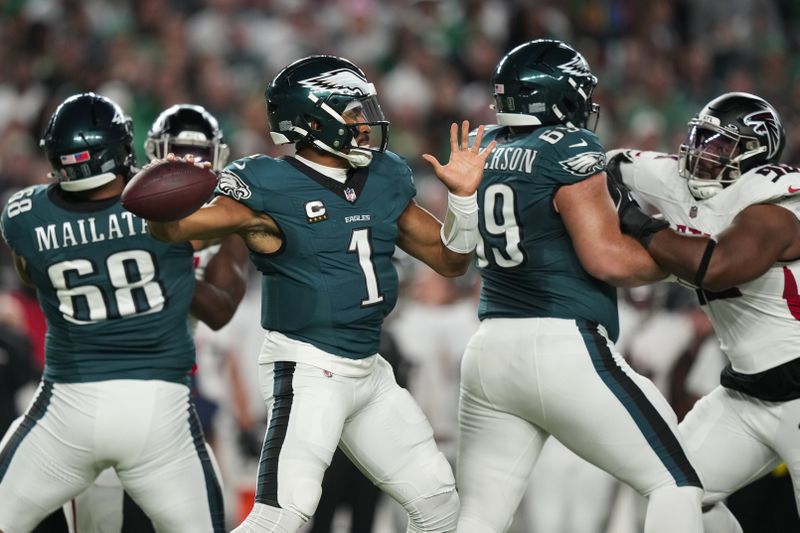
(460, 229)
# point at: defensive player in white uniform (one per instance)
(735, 236)
(220, 284)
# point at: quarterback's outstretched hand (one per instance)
(463, 172)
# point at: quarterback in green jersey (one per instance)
(543, 360)
(322, 227)
(118, 350)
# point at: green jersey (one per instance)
(529, 267)
(333, 281)
(115, 299)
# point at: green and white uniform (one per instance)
(325, 295)
(333, 282)
(543, 360)
(111, 294)
(118, 352)
(528, 263)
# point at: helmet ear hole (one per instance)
(313, 124)
(569, 106)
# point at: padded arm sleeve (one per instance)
(460, 229)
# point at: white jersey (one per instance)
(756, 322)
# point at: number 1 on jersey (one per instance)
(359, 243)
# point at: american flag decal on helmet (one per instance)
(73, 159)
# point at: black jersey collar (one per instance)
(350, 190)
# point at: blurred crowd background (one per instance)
(658, 62)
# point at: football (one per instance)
(168, 191)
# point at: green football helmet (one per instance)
(544, 82)
(89, 141)
(308, 101)
(185, 129)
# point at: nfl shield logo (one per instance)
(350, 194)
(693, 211)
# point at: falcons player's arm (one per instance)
(604, 251)
(222, 286)
(758, 236)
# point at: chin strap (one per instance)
(459, 232)
(357, 157)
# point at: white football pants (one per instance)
(377, 424)
(523, 380)
(147, 430)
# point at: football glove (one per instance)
(633, 220)
(620, 193)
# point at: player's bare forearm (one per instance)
(591, 221)
(678, 254)
(444, 261)
(212, 305)
(635, 266)
(164, 231)
(758, 237)
(224, 282)
(419, 236)
(203, 224)
(221, 217)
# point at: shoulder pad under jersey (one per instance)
(652, 175)
(760, 185)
